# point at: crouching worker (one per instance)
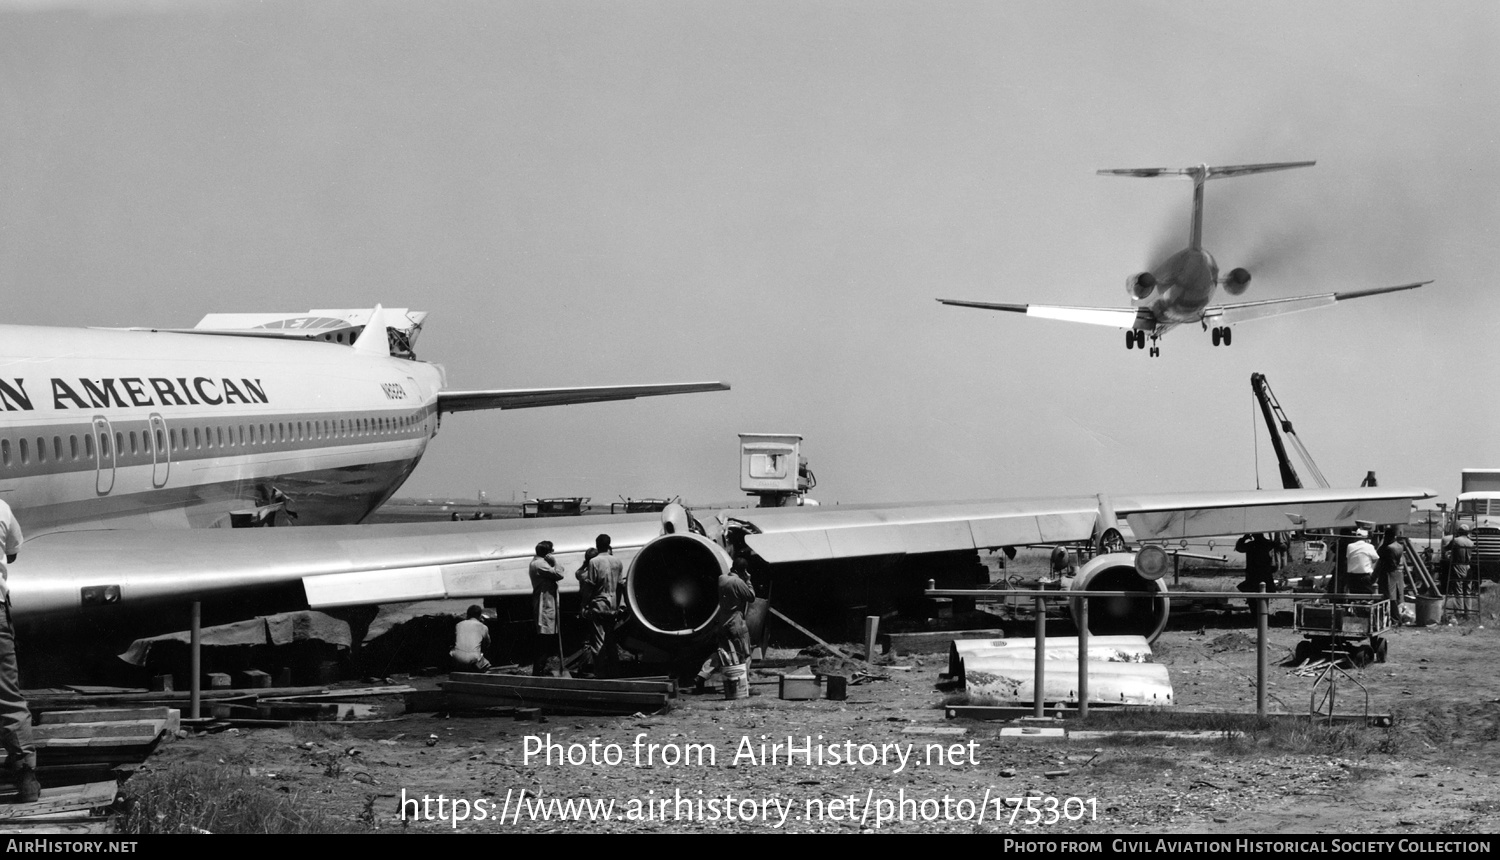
(469, 640)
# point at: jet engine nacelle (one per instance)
(673, 585)
(1237, 281)
(1140, 286)
(1115, 616)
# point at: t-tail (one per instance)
(1201, 174)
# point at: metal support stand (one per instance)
(196, 647)
(1262, 659)
(1327, 681)
(1083, 658)
(1041, 656)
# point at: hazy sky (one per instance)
(772, 194)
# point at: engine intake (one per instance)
(673, 584)
(1237, 281)
(1140, 286)
(1122, 616)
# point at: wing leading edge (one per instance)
(523, 398)
(1116, 317)
(823, 534)
(1243, 311)
(64, 572)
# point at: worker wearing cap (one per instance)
(545, 574)
(1457, 556)
(599, 604)
(1362, 558)
(1390, 571)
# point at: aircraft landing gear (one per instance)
(1222, 335)
(1136, 339)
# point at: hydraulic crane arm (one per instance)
(1278, 425)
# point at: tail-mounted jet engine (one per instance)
(1140, 286)
(1237, 281)
(1142, 572)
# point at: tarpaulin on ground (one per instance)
(280, 629)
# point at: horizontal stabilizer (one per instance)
(1206, 172)
(523, 398)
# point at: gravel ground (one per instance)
(713, 767)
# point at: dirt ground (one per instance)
(708, 765)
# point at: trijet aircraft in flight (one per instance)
(1181, 290)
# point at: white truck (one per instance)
(1478, 507)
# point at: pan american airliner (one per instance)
(1181, 289)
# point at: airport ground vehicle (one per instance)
(1478, 507)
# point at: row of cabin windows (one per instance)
(201, 437)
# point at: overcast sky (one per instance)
(773, 194)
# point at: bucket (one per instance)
(836, 687)
(1429, 610)
(736, 682)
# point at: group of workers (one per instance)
(1368, 569)
(601, 607)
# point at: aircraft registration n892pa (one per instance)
(129, 454)
(1181, 289)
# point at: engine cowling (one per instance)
(1140, 286)
(673, 585)
(1115, 616)
(1237, 281)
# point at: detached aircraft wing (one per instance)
(1242, 311)
(827, 533)
(522, 398)
(1116, 317)
(65, 572)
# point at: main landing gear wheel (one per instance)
(1222, 336)
(1135, 340)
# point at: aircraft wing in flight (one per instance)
(1116, 317)
(522, 398)
(1242, 311)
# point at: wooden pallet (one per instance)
(61, 810)
(469, 690)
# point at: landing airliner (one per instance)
(1180, 289)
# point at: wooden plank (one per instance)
(103, 715)
(531, 694)
(121, 729)
(65, 798)
(48, 826)
(468, 702)
(808, 633)
(328, 695)
(621, 685)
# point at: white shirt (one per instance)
(10, 543)
(1362, 557)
